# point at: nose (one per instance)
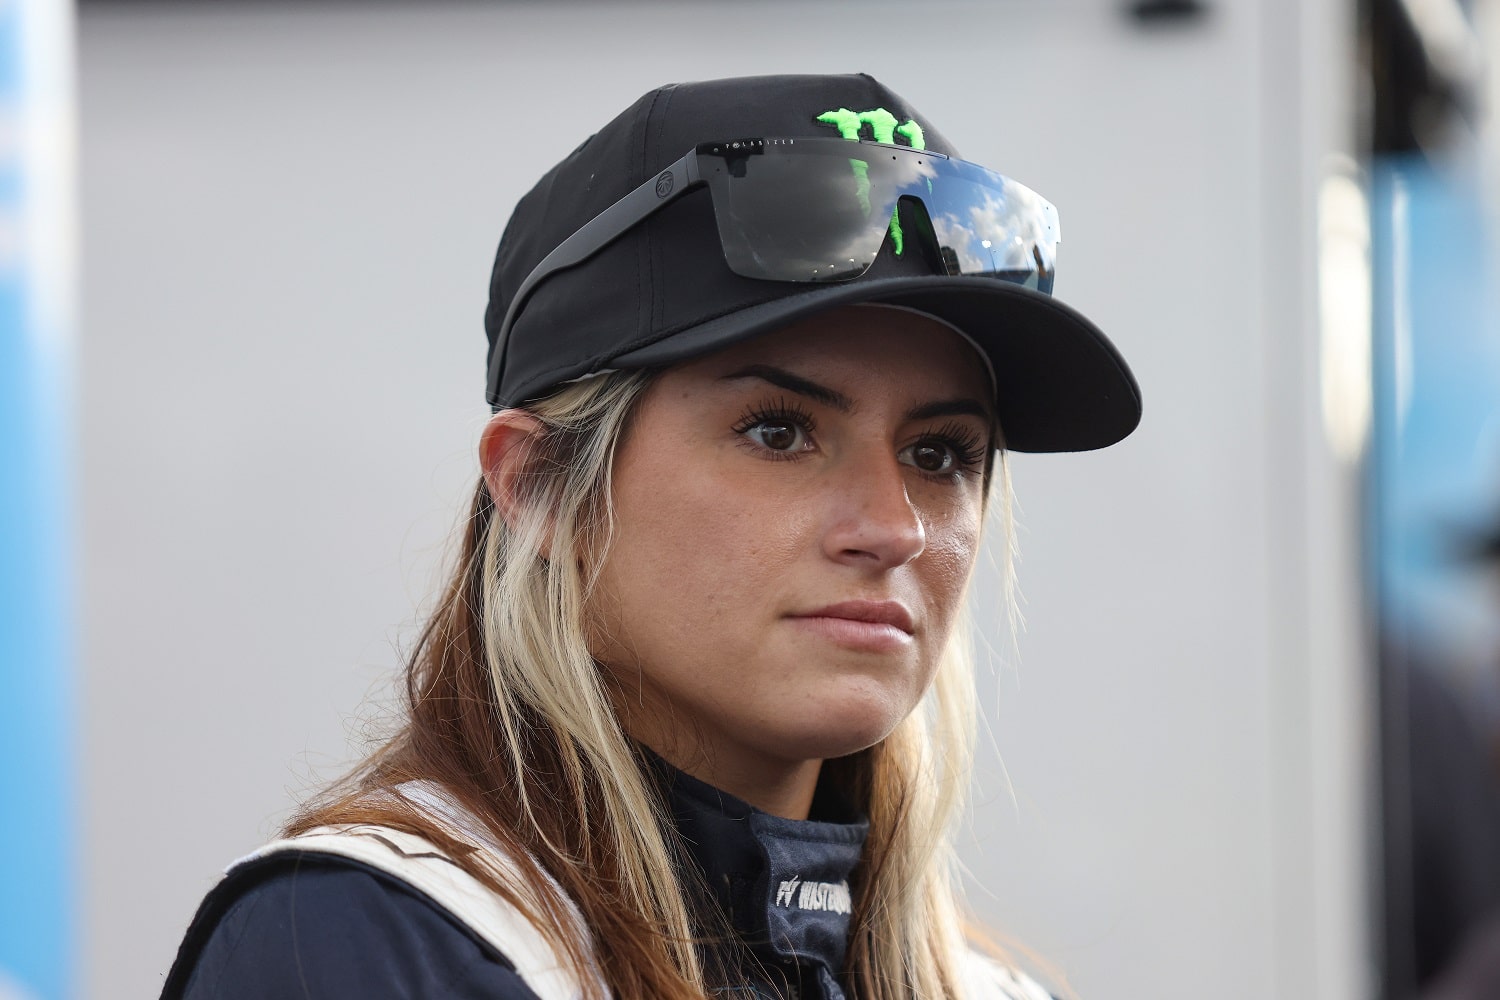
(874, 524)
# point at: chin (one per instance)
(836, 730)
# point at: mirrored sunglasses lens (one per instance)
(793, 217)
(816, 213)
(997, 228)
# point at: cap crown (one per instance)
(669, 272)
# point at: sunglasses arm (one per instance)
(599, 232)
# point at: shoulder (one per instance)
(987, 979)
(531, 949)
(338, 892)
(301, 924)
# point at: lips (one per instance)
(892, 613)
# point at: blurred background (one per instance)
(1247, 742)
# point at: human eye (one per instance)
(780, 430)
(950, 451)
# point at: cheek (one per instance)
(948, 560)
(703, 546)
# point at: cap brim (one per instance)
(1060, 383)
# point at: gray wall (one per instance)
(289, 214)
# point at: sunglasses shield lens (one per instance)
(820, 210)
(986, 224)
(795, 217)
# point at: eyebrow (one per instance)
(950, 408)
(795, 383)
(780, 377)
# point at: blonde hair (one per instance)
(509, 712)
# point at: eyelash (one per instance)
(963, 441)
(782, 410)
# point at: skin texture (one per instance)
(736, 517)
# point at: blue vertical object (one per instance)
(1437, 353)
(1435, 484)
(36, 773)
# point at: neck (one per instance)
(781, 788)
(776, 785)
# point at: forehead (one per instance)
(863, 350)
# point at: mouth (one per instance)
(891, 615)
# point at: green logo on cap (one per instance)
(884, 127)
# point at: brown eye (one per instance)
(931, 458)
(778, 435)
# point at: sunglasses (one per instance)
(819, 210)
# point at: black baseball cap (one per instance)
(662, 291)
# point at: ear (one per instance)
(505, 450)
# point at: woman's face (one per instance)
(797, 517)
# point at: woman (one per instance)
(693, 714)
